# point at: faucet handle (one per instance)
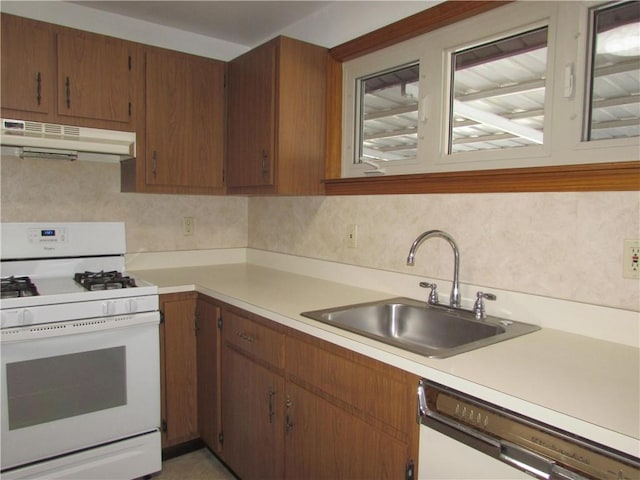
(433, 295)
(478, 307)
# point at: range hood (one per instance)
(49, 140)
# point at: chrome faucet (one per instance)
(454, 298)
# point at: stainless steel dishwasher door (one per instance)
(442, 457)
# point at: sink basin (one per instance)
(436, 332)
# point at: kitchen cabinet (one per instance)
(208, 344)
(252, 397)
(96, 78)
(62, 75)
(28, 55)
(181, 147)
(178, 381)
(298, 407)
(348, 416)
(276, 119)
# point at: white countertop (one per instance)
(580, 384)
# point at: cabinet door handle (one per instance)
(288, 424)
(246, 336)
(154, 163)
(265, 162)
(39, 88)
(68, 89)
(272, 394)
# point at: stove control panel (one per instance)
(48, 236)
(43, 240)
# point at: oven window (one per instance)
(53, 388)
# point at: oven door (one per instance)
(66, 392)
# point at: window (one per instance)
(614, 74)
(388, 120)
(498, 93)
(505, 89)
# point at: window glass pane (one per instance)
(54, 388)
(388, 118)
(498, 93)
(615, 73)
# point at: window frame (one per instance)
(593, 176)
(363, 67)
(436, 139)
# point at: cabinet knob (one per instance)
(265, 162)
(272, 394)
(39, 88)
(68, 91)
(154, 163)
(288, 424)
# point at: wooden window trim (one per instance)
(619, 176)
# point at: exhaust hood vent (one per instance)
(49, 140)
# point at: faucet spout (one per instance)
(454, 298)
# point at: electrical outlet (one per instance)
(352, 236)
(631, 259)
(187, 226)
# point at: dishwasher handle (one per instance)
(524, 459)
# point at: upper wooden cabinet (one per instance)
(60, 75)
(95, 77)
(28, 56)
(181, 145)
(276, 121)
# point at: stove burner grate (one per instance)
(14, 287)
(104, 280)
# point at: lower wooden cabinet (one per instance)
(297, 407)
(208, 344)
(252, 396)
(328, 441)
(276, 403)
(252, 417)
(178, 379)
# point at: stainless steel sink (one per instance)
(420, 328)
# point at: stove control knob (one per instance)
(25, 317)
(131, 305)
(108, 307)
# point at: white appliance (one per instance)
(463, 437)
(80, 383)
(66, 142)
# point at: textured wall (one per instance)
(56, 190)
(563, 245)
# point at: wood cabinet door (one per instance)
(326, 442)
(251, 105)
(252, 417)
(95, 79)
(27, 66)
(185, 122)
(208, 359)
(180, 419)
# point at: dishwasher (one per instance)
(463, 437)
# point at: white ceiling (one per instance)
(242, 22)
(220, 29)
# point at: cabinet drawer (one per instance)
(256, 340)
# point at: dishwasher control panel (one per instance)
(543, 451)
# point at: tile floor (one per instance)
(198, 465)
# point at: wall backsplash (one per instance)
(562, 245)
(58, 190)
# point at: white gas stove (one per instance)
(80, 355)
